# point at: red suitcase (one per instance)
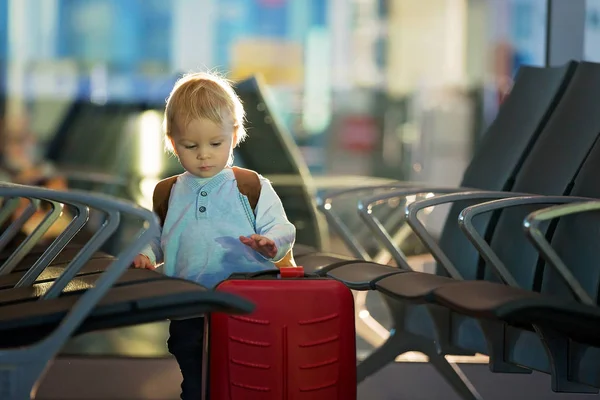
(298, 344)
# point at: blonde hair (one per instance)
(203, 95)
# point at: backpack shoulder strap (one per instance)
(248, 184)
(160, 198)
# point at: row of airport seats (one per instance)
(49, 293)
(517, 273)
(515, 278)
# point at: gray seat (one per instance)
(362, 275)
(507, 148)
(550, 169)
(566, 307)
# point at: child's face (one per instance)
(204, 147)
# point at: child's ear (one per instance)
(235, 136)
(172, 144)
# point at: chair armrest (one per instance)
(325, 206)
(413, 209)
(532, 229)
(9, 206)
(33, 238)
(365, 208)
(465, 221)
(14, 228)
(81, 217)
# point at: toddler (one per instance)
(210, 229)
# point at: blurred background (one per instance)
(388, 89)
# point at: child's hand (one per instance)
(262, 244)
(142, 261)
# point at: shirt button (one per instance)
(202, 209)
(203, 194)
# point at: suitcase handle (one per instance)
(291, 272)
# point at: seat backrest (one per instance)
(519, 122)
(550, 169)
(576, 237)
(270, 150)
(508, 141)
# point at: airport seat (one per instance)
(516, 128)
(558, 168)
(32, 333)
(563, 318)
(501, 154)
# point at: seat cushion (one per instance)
(24, 323)
(316, 263)
(362, 275)
(413, 286)
(52, 272)
(77, 284)
(490, 300)
(479, 299)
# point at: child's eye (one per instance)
(216, 144)
(193, 146)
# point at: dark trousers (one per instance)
(186, 344)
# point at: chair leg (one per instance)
(455, 377)
(396, 344)
(401, 342)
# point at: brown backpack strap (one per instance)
(248, 184)
(160, 198)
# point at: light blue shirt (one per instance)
(200, 237)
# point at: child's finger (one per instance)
(248, 242)
(265, 240)
(252, 238)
